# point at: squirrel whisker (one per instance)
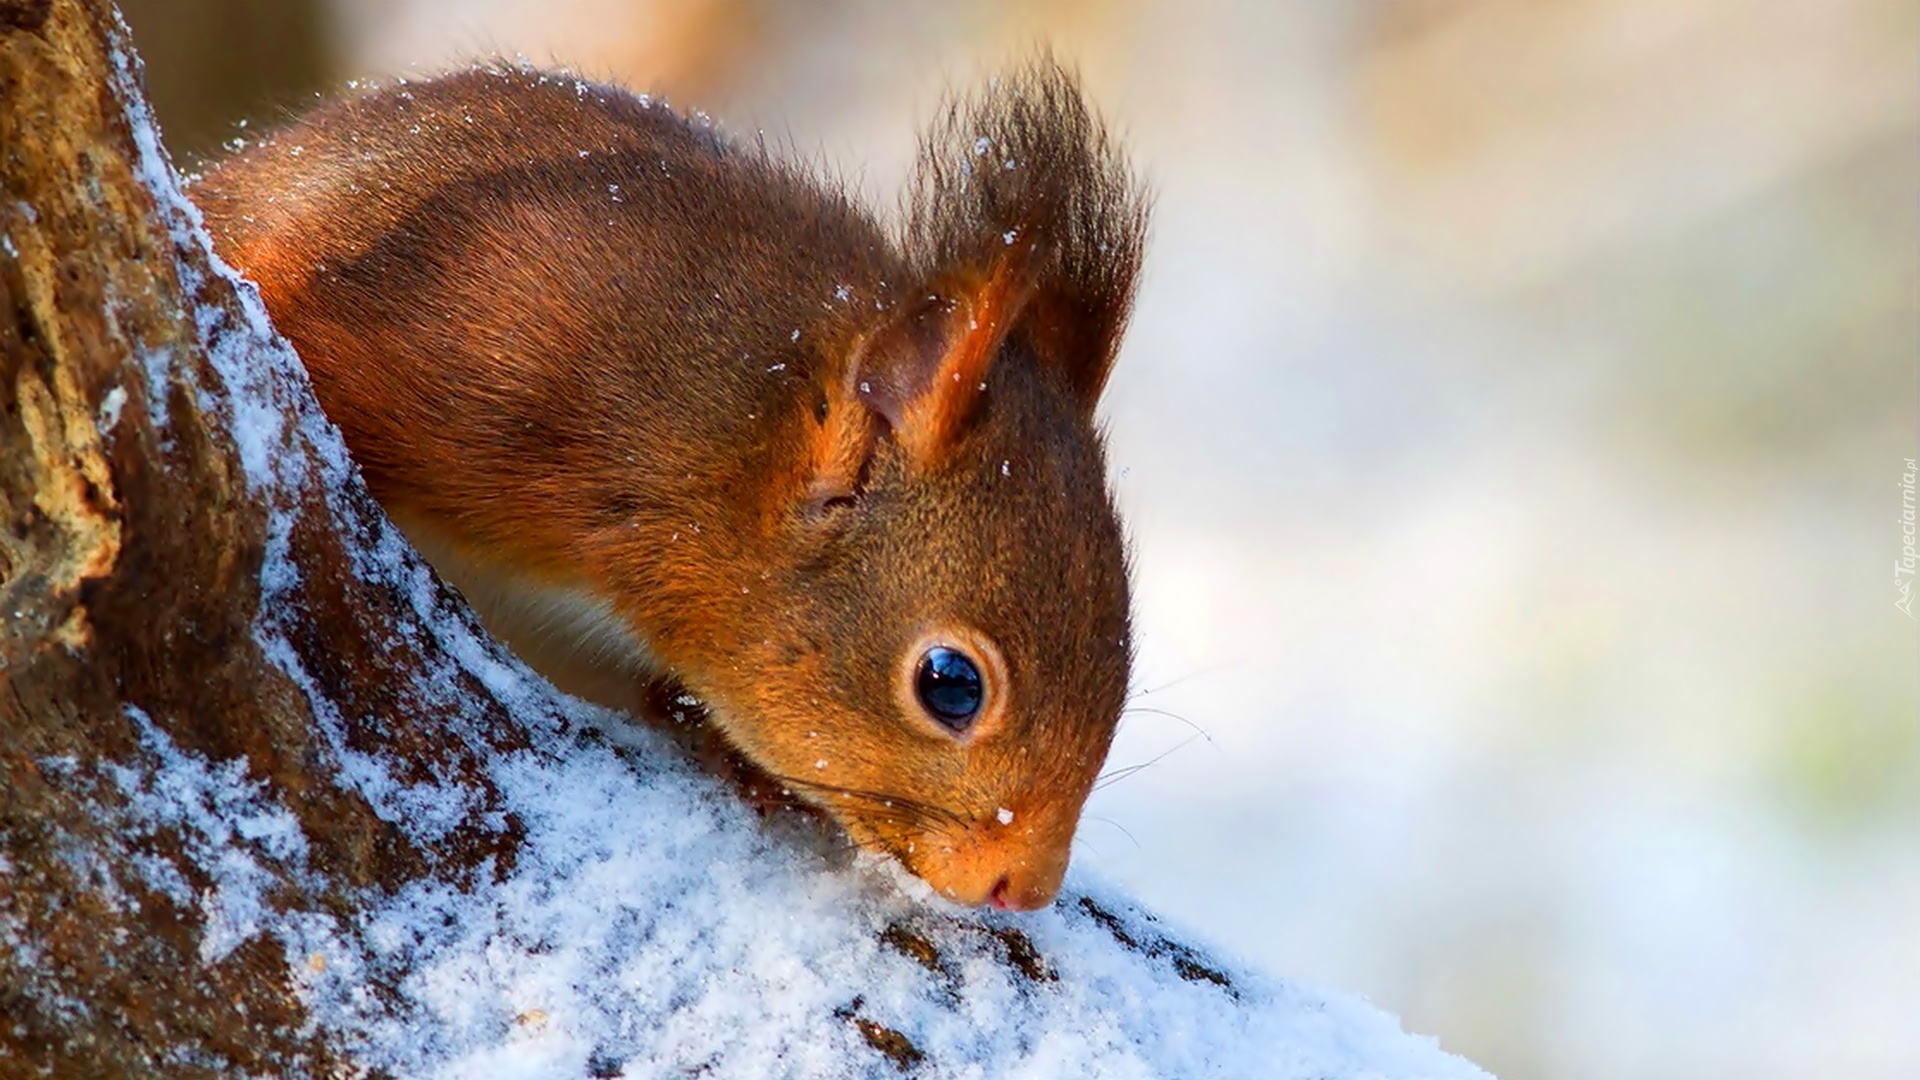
(1197, 729)
(1122, 773)
(878, 805)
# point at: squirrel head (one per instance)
(944, 652)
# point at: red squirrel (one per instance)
(666, 407)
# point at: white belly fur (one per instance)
(571, 636)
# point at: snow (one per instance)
(651, 925)
(110, 406)
(222, 818)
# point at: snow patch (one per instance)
(110, 406)
(226, 826)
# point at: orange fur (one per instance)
(673, 413)
(974, 330)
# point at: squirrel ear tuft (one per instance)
(924, 372)
(1023, 216)
(1025, 163)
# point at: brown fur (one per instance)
(581, 346)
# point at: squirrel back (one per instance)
(663, 406)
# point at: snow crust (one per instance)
(651, 926)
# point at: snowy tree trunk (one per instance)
(130, 563)
(270, 803)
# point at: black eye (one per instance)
(949, 687)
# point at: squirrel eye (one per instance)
(949, 686)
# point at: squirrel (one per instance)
(666, 408)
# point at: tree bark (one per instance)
(129, 587)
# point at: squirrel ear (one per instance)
(918, 376)
(923, 373)
(1026, 163)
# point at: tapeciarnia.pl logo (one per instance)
(1903, 566)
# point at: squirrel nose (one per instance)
(1028, 895)
(1016, 890)
(1005, 873)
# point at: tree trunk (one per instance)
(136, 530)
(271, 804)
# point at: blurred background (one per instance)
(1511, 431)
